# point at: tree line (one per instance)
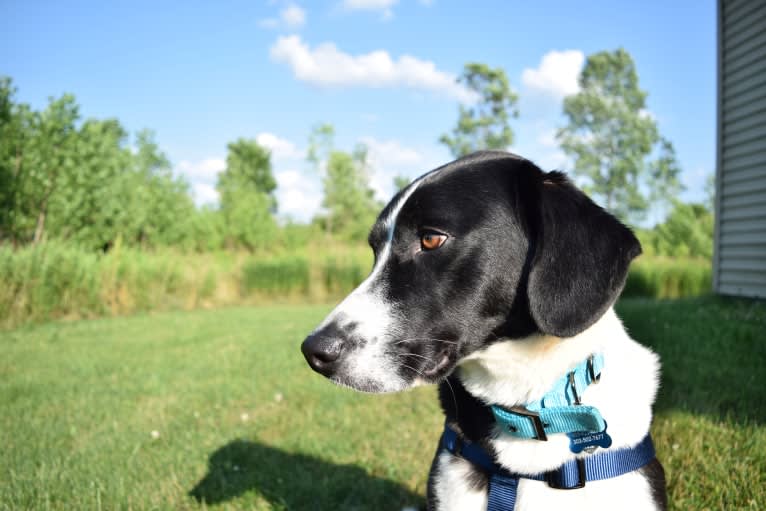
(91, 183)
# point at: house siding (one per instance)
(739, 259)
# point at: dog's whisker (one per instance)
(445, 341)
(413, 355)
(454, 398)
(413, 369)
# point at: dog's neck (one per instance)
(516, 372)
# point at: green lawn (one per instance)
(217, 409)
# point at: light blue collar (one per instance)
(560, 411)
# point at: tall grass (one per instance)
(57, 280)
(662, 277)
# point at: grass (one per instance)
(710, 426)
(217, 409)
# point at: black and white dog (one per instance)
(496, 280)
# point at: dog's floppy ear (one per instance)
(580, 261)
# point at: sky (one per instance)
(203, 74)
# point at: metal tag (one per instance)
(588, 441)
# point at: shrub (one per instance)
(58, 280)
(657, 277)
(282, 275)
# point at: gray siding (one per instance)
(739, 262)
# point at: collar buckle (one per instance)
(534, 417)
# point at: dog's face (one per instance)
(488, 248)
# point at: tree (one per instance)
(50, 159)
(610, 136)
(66, 179)
(321, 141)
(686, 232)
(710, 193)
(92, 205)
(248, 166)
(348, 198)
(664, 179)
(15, 127)
(484, 125)
(349, 202)
(168, 204)
(247, 202)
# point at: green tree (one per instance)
(15, 132)
(349, 202)
(485, 124)
(686, 232)
(321, 142)
(248, 166)
(79, 181)
(611, 137)
(246, 187)
(168, 206)
(664, 178)
(91, 203)
(51, 158)
(710, 193)
(348, 198)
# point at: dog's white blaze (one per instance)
(374, 318)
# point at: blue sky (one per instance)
(202, 74)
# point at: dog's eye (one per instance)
(432, 240)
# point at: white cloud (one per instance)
(281, 149)
(201, 176)
(205, 194)
(391, 152)
(298, 196)
(556, 75)
(204, 170)
(327, 66)
(547, 138)
(384, 7)
(292, 17)
(390, 158)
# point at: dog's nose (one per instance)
(322, 352)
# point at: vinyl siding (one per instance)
(739, 261)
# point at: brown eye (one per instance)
(432, 240)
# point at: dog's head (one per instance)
(484, 249)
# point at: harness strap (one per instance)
(573, 474)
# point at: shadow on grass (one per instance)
(295, 481)
(712, 351)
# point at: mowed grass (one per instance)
(217, 409)
(176, 410)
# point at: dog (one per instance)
(496, 280)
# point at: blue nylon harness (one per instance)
(559, 411)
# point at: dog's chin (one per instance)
(434, 375)
(369, 386)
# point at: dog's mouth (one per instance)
(440, 368)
